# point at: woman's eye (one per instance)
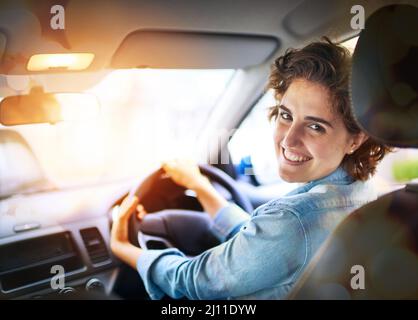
(317, 127)
(285, 115)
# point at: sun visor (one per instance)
(313, 17)
(192, 50)
(384, 81)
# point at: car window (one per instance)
(145, 116)
(252, 148)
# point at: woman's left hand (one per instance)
(120, 224)
(119, 237)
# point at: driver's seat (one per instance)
(373, 253)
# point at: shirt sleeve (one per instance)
(268, 251)
(228, 221)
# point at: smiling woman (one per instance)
(316, 135)
(318, 144)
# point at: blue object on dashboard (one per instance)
(245, 165)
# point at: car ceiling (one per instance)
(101, 26)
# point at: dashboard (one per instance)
(61, 246)
(67, 230)
(80, 250)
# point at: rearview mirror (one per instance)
(41, 107)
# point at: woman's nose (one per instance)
(292, 137)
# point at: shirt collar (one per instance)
(338, 176)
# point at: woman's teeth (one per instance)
(293, 157)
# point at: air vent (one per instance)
(95, 245)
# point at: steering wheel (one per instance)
(187, 230)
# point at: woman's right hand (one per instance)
(185, 173)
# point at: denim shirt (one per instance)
(262, 255)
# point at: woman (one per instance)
(317, 143)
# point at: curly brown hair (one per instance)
(328, 64)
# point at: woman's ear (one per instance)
(356, 141)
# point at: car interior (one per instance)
(94, 95)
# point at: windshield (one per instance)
(145, 116)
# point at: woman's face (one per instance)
(310, 138)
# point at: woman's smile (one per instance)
(293, 158)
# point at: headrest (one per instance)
(384, 78)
